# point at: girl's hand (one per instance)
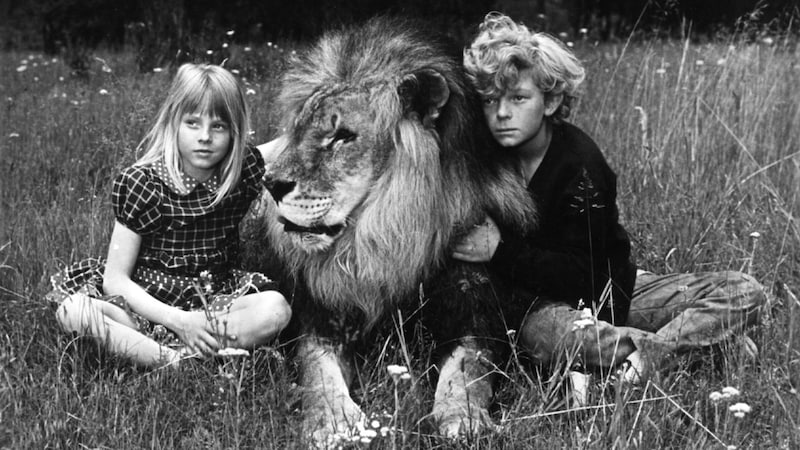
(480, 244)
(194, 330)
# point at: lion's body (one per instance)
(384, 163)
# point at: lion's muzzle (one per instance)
(279, 189)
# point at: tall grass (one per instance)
(706, 155)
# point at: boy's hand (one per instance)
(480, 244)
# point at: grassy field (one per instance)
(706, 143)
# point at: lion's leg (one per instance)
(327, 406)
(464, 390)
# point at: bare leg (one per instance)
(253, 319)
(113, 328)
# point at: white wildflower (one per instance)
(22, 68)
(570, 44)
(755, 235)
(699, 62)
(582, 323)
(13, 135)
(230, 32)
(563, 35)
(247, 49)
(230, 351)
(729, 392)
(102, 92)
(721, 61)
(395, 370)
(739, 409)
(768, 40)
(715, 396)
(224, 45)
(661, 71)
(157, 69)
(209, 52)
(250, 91)
(583, 30)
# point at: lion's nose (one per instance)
(279, 189)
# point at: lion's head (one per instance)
(385, 160)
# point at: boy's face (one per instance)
(516, 117)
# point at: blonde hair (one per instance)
(205, 89)
(504, 48)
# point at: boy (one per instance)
(579, 256)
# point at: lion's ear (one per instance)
(423, 94)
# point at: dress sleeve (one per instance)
(136, 198)
(252, 172)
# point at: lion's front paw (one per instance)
(330, 422)
(456, 422)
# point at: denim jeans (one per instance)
(669, 313)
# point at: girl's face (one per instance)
(203, 142)
(516, 116)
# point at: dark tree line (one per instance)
(164, 26)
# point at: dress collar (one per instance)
(191, 183)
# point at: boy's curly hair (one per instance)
(503, 48)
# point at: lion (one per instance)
(384, 162)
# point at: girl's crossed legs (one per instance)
(251, 320)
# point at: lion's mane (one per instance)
(438, 177)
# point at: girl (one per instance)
(574, 273)
(168, 288)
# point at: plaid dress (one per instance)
(188, 247)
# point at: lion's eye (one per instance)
(344, 135)
(341, 136)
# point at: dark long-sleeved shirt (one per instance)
(579, 244)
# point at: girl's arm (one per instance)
(192, 327)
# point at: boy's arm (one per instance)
(480, 244)
(564, 261)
